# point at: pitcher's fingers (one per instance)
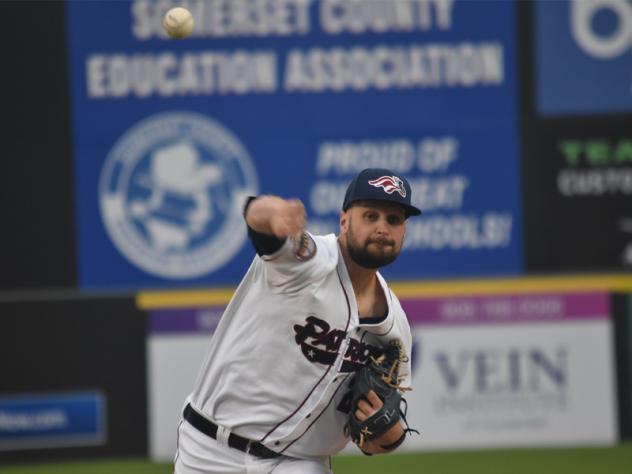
(360, 415)
(375, 401)
(365, 407)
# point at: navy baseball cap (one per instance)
(380, 184)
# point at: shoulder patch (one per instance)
(305, 247)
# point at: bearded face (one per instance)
(374, 237)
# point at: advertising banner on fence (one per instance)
(498, 370)
(291, 97)
(579, 216)
(177, 341)
(583, 50)
(513, 371)
(40, 421)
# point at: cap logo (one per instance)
(390, 184)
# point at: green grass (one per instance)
(617, 460)
(512, 461)
(90, 467)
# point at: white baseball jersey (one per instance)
(279, 363)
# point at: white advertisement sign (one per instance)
(512, 371)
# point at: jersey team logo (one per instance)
(171, 194)
(390, 184)
(320, 343)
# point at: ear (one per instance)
(343, 221)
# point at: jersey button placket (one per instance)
(341, 356)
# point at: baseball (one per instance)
(178, 22)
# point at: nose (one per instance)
(382, 227)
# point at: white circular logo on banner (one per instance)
(171, 193)
(608, 46)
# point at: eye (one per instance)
(395, 220)
(371, 216)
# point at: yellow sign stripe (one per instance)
(548, 284)
(496, 286)
(183, 298)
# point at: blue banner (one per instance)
(584, 56)
(291, 97)
(52, 420)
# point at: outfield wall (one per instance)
(72, 379)
(530, 368)
(622, 308)
(525, 362)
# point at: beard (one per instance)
(366, 258)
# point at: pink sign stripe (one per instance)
(508, 309)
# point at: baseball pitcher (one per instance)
(313, 348)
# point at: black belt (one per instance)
(234, 441)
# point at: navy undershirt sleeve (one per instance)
(373, 319)
(264, 244)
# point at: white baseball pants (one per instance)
(198, 453)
